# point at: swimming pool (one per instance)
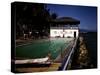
(42, 48)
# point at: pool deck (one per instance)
(52, 67)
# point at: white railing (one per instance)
(69, 55)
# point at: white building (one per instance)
(64, 27)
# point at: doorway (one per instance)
(74, 34)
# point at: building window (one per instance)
(55, 32)
(70, 32)
(61, 32)
(65, 32)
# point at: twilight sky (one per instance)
(86, 15)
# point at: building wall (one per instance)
(56, 32)
(63, 33)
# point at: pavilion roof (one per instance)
(65, 20)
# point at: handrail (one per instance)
(68, 57)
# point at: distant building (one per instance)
(64, 27)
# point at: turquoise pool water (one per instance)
(41, 48)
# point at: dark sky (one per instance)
(86, 15)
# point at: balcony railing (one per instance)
(63, 27)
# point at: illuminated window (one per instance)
(70, 32)
(61, 32)
(65, 32)
(55, 32)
